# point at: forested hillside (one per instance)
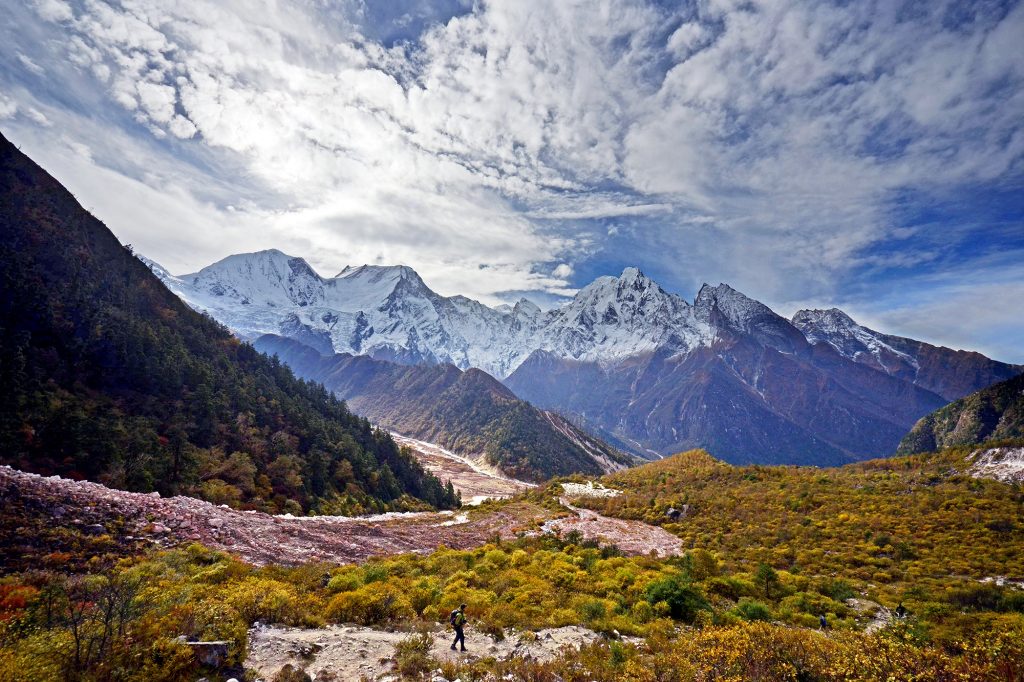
(469, 412)
(108, 376)
(992, 413)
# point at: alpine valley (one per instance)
(626, 360)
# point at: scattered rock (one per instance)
(272, 647)
(1002, 464)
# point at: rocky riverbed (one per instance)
(136, 520)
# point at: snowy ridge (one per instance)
(388, 312)
(852, 340)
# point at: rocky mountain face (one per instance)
(468, 412)
(624, 357)
(758, 391)
(993, 413)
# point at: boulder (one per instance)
(210, 654)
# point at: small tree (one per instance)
(767, 579)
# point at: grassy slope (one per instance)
(911, 529)
(886, 521)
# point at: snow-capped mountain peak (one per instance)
(266, 277)
(526, 308)
(388, 312)
(379, 273)
(822, 322)
(723, 307)
(617, 317)
(739, 309)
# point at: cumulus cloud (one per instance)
(761, 143)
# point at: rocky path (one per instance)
(351, 652)
(632, 537)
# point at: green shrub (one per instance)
(751, 610)
(683, 599)
(592, 610)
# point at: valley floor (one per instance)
(474, 481)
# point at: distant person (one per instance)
(901, 611)
(457, 619)
(823, 621)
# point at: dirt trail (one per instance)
(348, 652)
(474, 481)
(871, 614)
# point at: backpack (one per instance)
(453, 618)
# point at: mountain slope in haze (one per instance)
(624, 357)
(468, 412)
(993, 413)
(108, 376)
(755, 392)
(949, 373)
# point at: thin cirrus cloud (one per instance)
(789, 148)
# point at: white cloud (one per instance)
(53, 10)
(31, 65)
(8, 108)
(157, 100)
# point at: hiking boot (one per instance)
(453, 648)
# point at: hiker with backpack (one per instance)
(457, 620)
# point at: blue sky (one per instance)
(867, 155)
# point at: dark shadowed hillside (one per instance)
(992, 413)
(469, 412)
(109, 376)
